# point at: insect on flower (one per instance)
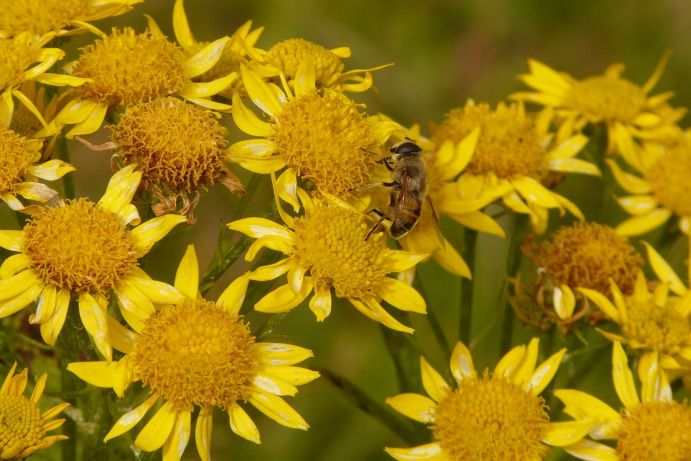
(408, 190)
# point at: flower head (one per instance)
(179, 148)
(320, 136)
(626, 109)
(660, 189)
(651, 425)
(60, 17)
(20, 166)
(328, 252)
(88, 249)
(23, 59)
(513, 156)
(199, 354)
(126, 68)
(490, 416)
(23, 426)
(237, 51)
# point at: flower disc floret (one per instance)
(177, 146)
(655, 430)
(331, 243)
(196, 354)
(80, 246)
(41, 16)
(289, 54)
(128, 68)
(608, 98)
(16, 55)
(660, 328)
(508, 146)
(669, 178)
(491, 419)
(14, 158)
(20, 422)
(325, 137)
(588, 255)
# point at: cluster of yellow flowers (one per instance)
(166, 104)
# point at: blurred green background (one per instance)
(445, 52)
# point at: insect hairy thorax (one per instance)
(409, 189)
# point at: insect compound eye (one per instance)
(406, 147)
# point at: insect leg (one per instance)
(376, 226)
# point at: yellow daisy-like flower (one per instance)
(444, 165)
(20, 166)
(22, 425)
(493, 416)
(660, 189)
(285, 59)
(126, 68)
(651, 426)
(583, 255)
(22, 59)
(514, 155)
(320, 136)
(327, 252)
(653, 322)
(156, 137)
(85, 248)
(60, 17)
(198, 353)
(625, 108)
(238, 49)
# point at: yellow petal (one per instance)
(414, 406)
(181, 27)
(664, 271)
(50, 170)
(6, 108)
(131, 418)
(432, 381)
(156, 431)
(283, 299)
(187, 275)
(273, 385)
(281, 354)
(195, 90)
(156, 292)
(260, 227)
(566, 433)
(638, 225)
(400, 261)
(91, 123)
(623, 378)
(11, 239)
(175, 446)
(637, 204)
(581, 405)
(51, 329)
(535, 192)
(602, 302)
(401, 296)
(100, 374)
(260, 93)
(461, 363)
(277, 409)
(544, 373)
(202, 433)
(45, 308)
(568, 149)
(249, 123)
(296, 376)
(234, 295)
(13, 265)
(20, 301)
(320, 304)
(373, 310)
(631, 183)
(120, 337)
(121, 189)
(573, 165)
(205, 59)
(39, 388)
(564, 301)
(153, 230)
(242, 424)
(92, 311)
(429, 452)
(592, 451)
(654, 383)
(510, 362)
(17, 284)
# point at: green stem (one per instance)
(20, 337)
(466, 310)
(434, 324)
(513, 263)
(404, 356)
(64, 153)
(370, 406)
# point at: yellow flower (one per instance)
(651, 426)
(625, 108)
(60, 17)
(22, 59)
(327, 252)
(156, 137)
(22, 425)
(85, 248)
(660, 189)
(237, 51)
(584, 255)
(493, 416)
(126, 68)
(198, 353)
(652, 322)
(444, 165)
(20, 166)
(320, 136)
(514, 155)
(286, 59)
